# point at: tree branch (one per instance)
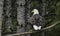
(30, 32)
(53, 24)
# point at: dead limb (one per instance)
(30, 32)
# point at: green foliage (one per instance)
(55, 30)
(53, 9)
(35, 4)
(58, 10)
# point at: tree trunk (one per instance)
(23, 13)
(8, 8)
(1, 11)
(20, 16)
(43, 14)
(7, 22)
(27, 15)
(43, 7)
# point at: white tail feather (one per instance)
(36, 27)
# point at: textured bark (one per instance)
(8, 22)
(43, 7)
(27, 16)
(6, 16)
(23, 13)
(9, 17)
(43, 13)
(1, 11)
(20, 15)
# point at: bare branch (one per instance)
(30, 32)
(54, 24)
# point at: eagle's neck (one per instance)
(36, 13)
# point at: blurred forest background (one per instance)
(15, 13)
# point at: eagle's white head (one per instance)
(35, 11)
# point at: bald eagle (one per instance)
(36, 20)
